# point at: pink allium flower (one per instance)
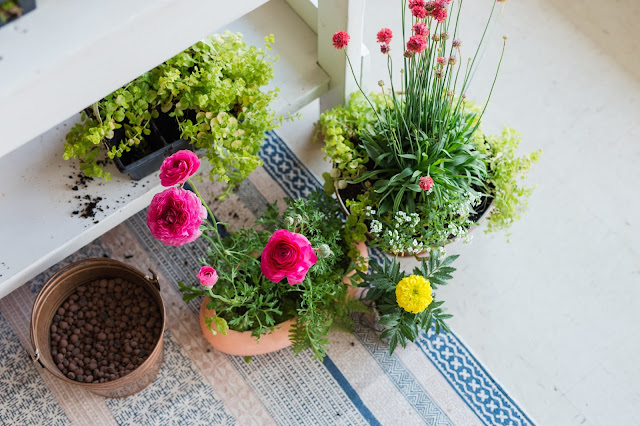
(426, 183)
(416, 44)
(441, 60)
(452, 60)
(419, 12)
(456, 43)
(287, 254)
(179, 167)
(175, 216)
(416, 3)
(385, 35)
(208, 276)
(420, 29)
(341, 39)
(385, 48)
(439, 14)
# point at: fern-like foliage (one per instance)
(244, 300)
(401, 325)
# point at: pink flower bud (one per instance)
(426, 183)
(207, 276)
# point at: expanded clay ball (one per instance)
(104, 330)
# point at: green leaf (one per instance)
(221, 325)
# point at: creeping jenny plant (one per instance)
(212, 93)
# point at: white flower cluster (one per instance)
(411, 219)
(375, 227)
(368, 211)
(467, 204)
(399, 238)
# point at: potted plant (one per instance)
(11, 10)
(412, 164)
(405, 304)
(209, 95)
(285, 277)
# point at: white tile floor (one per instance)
(555, 313)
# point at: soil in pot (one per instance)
(104, 330)
(150, 143)
(168, 127)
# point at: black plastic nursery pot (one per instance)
(163, 141)
(20, 8)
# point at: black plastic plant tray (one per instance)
(143, 167)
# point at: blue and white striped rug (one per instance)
(436, 381)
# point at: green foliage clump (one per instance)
(244, 300)
(212, 91)
(402, 325)
(340, 129)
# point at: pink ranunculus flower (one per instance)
(208, 276)
(178, 167)
(175, 216)
(426, 183)
(287, 254)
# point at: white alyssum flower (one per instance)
(375, 227)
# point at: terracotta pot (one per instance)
(354, 291)
(242, 343)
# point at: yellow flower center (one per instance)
(413, 293)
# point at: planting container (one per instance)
(59, 287)
(160, 141)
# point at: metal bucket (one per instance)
(59, 287)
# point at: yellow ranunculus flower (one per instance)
(413, 293)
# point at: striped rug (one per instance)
(436, 381)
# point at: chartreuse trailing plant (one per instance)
(405, 302)
(415, 151)
(506, 169)
(211, 93)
